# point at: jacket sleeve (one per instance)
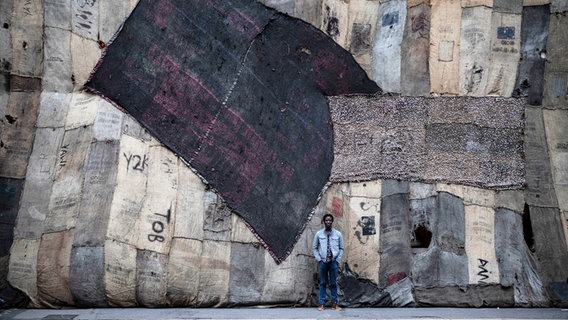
(315, 247)
(341, 248)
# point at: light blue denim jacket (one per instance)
(319, 246)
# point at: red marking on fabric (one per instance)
(305, 105)
(259, 147)
(243, 23)
(237, 20)
(140, 78)
(184, 77)
(160, 13)
(244, 151)
(185, 95)
(186, 102)
(240, 170)
(395, 277)
(140, 75)
(248, 145)
(331, 83)
(181, 96)
(337, 207)
(312, 159)
(284, 141)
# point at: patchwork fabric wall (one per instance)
(450, 188)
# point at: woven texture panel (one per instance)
(464, 140)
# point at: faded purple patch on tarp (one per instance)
(238, 91)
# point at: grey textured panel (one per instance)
(517, 265)
(6, 8)
(360, 39)
(67, 192)
(414, 74)
(540, 187)
(39, 181)
(401, 293)
(425, 268)
(390, 187)
(442, 262)
(57, 14)
(247, 274)
(19, 127)
(386, 58)
(450, 229)
(151, 278)
(4, 95)
(508, 6)
(86, 276)
(550, 247)
(304, 270)
(534, 34)
(100, 173)
(425, 271)
(395, 259)
(558, 6)
(10, 192)
(216, 219)
(53, 268)
(309, 11)
(84, 18)
(424, 212)
(475, 50)
(133, 128)
(449, 235)
(556, 72)
(53, 109)
(33, 209)
(286, 6)
(469, 296)
(27, 33)
(58, 72)
(465, 140)
(559, 292)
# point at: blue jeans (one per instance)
(328, 270)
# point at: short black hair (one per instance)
(325, 216)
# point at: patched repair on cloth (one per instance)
(463, 140)
(238, 91)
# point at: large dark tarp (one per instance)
(237, 90)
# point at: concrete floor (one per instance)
(285, 313)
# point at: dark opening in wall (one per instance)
(422, 237)
(527, 228)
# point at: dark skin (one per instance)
(328, 222)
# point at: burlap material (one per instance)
(237, 90)
(465, 140)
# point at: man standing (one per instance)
(328, 251)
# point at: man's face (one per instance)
(328, 222)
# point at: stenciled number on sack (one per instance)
(158, 226)
(136, 162)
